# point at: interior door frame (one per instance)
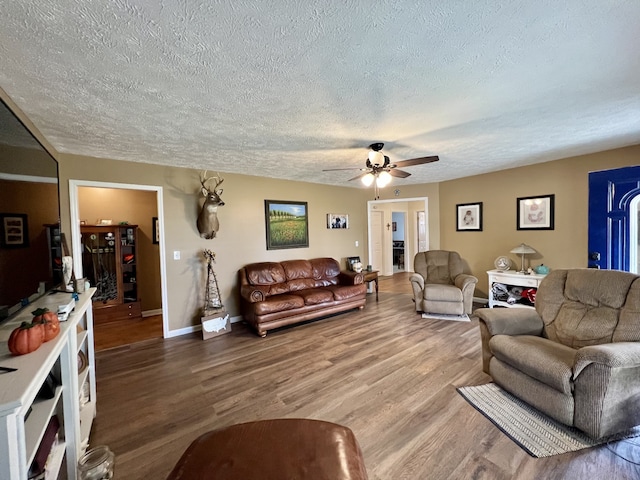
(76, 245)
(409, 252)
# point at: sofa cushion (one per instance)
(325, 271)
(278, 303)
(265, 273)
(548, 362)
(345, 292)
(584, 307)
(442, 293)
(315, 296)
(297, 269)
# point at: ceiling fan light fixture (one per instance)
(384, 178)
(376, 157)
(368, 179)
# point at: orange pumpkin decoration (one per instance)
(26, 338)
(44, 314)
(49, 321)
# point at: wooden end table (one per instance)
(371, 276)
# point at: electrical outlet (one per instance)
(176, 255)
(357, 243)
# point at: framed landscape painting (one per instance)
(287, 224)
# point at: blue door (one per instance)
(611, 194)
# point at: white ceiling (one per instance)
(287, 88)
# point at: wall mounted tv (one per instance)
(30, 253)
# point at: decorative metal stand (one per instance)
(212, 302)
(215, 321)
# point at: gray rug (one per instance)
(534, 432)
(441, 316)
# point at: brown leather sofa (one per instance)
(275, 294)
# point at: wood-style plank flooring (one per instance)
(384, 372)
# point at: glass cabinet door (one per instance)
(129, 259)
(100, 264)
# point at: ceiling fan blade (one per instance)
(394, 172)
(416, 161)
(358, 177)
(336, 169)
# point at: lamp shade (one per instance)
(523, 249)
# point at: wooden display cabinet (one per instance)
(109, 263)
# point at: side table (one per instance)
(510, 279)
(371, 276)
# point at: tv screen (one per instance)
(30, 253)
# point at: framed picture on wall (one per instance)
(14, 232)
(286, 224)
(535, 213)
(337, 220)
(469, 217)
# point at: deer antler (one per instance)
(204, 180)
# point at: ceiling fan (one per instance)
(379, 168)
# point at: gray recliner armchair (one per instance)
(439, 285)
(576, 356)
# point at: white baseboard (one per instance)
(484, 301)
(151, 313)
(195, 328)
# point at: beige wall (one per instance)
(136, 207)
(563, 247)
(241, 238)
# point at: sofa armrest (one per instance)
(254, 293)
(349, 277)
(612, 355)
(511, 321)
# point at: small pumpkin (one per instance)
(51, 329)
(49, 321)
(26, 338)
(44, 314)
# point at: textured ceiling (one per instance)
(287, 88)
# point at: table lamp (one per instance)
(523, 250)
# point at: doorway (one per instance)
(614, 197)
(398, 237)
(157, 309)
(415, 232)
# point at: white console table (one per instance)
(511, 278)
(23, 417)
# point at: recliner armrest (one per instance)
(613, 355)
(418, 279)
(511, 321)
(463, 280)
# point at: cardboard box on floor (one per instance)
(215, 324)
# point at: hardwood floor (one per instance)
(384, 372)
(124, 332)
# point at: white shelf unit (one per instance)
(23, 417)
(511, 278)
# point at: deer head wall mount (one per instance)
(208, 218)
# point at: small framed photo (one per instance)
(14, 231)
(351, 261)
(535, 213)
(337, 220)
(469, 217)
(156, 230)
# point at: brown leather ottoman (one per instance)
(281, 449)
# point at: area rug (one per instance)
(441, 316)
(534, 432)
